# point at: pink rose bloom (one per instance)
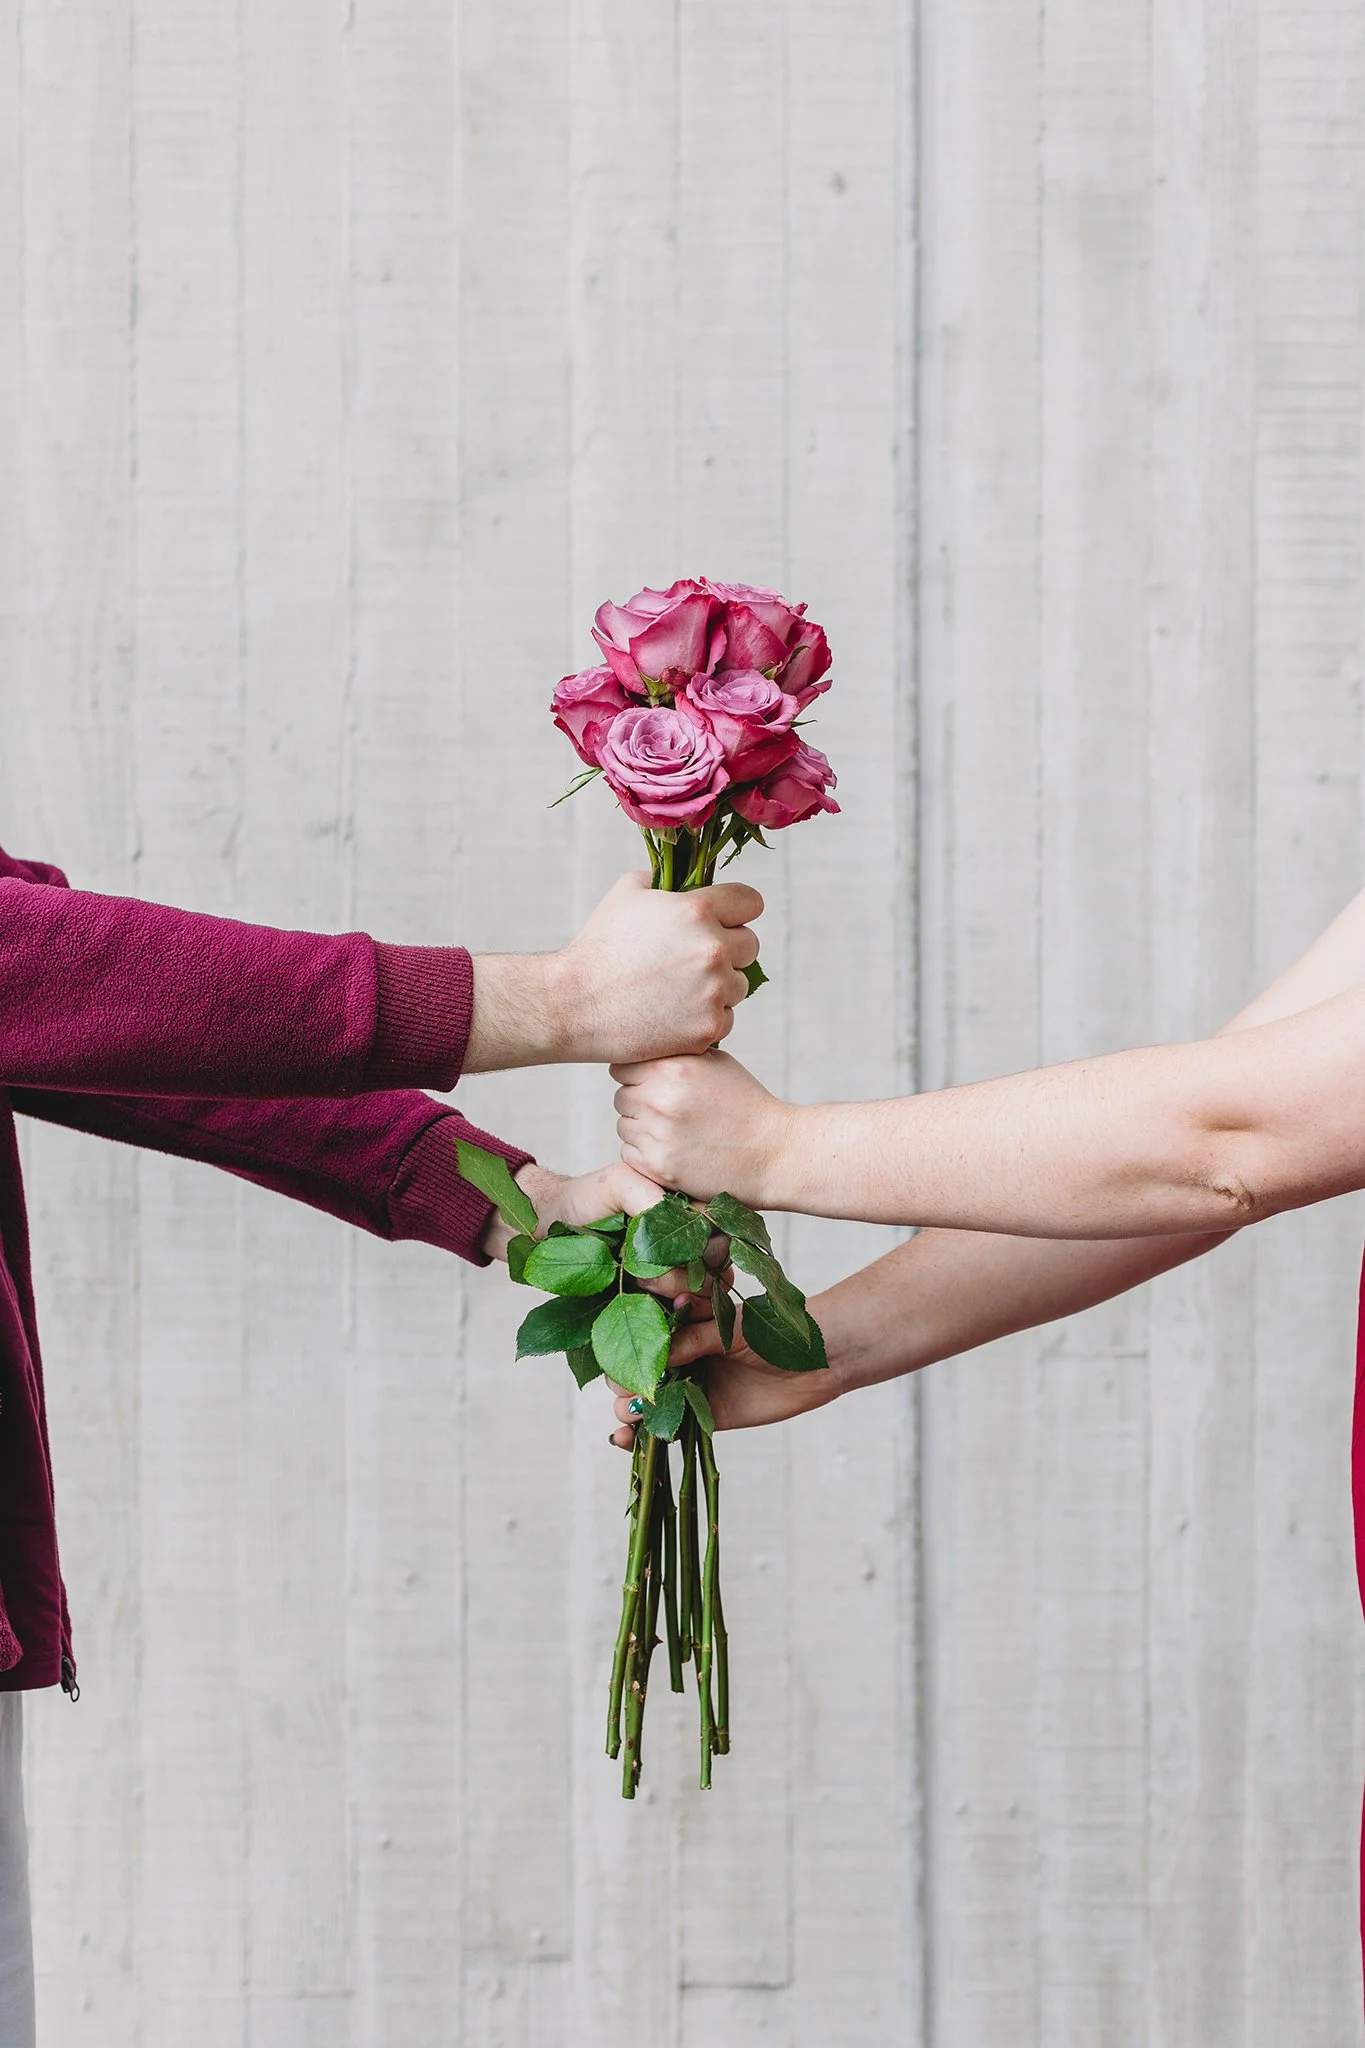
(749, 643)
(764, 632)
(664, 767)
(659, 633)
(750, 716)
(769, 607)
(584, 706)
(803, 674)
(796, 790)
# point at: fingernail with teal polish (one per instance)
(637, 1408)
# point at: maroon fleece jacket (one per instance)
(287, 1058)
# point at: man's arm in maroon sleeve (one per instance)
(289, 1058)
(386, 1162)
(107, 994)
(111, 995)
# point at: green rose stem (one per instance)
(708, 1615)
(653, 1587)
(623, 1679)
(720, 1641)
(670, 1575)
(687, 1490)
(694, 1546)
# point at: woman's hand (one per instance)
(745, 1392)
(702, 1123)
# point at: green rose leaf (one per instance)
(723, 1309)
(670, 1234)
(770, 1335)
(663, 1416)
(697, 1277)
(518, 1252)
(577, 1264)
(641, 1269)
(609, 1226)
(492, 1176)
(695, 1396)
(583, 1364)
(631, 1338)
(561, 1325)
(736, 1219)
(785, 1296)
(755, 977)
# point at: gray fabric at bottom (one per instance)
(16, 1930)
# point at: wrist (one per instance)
(517, 1018)
(785, 1147)
(566, 1009)
(840, 1377)
(544, 1189)
(431, 1201)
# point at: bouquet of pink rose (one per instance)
(692, 720)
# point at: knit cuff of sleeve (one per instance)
(424, 1010)
(429, 1201)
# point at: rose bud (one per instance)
(664, 767)
(584, 706)
(750, 716)
(796, 790)
(658, 631)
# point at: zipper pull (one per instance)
(69, 1685)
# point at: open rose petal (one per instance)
(585, 705)
(804, 672)
(796, 790)
(665, 767)
(654, 603)
(678, 639)
(656, 631)
(768, 606)
(612, 630)
(749, 643)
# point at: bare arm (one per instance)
(949, 1291)
(1160, 1141)
(945, 1292)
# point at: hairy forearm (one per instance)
(948, 1291)
(522, 1011)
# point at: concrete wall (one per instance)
(351, 355)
